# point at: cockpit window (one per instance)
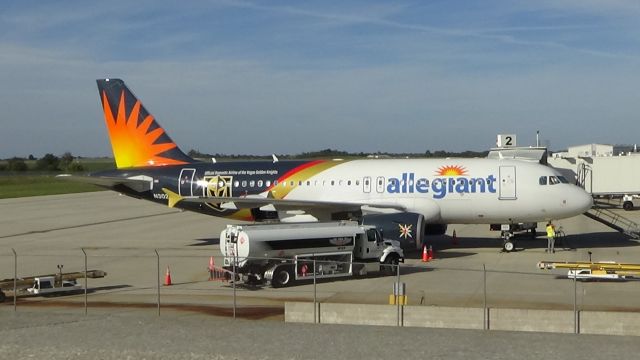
(553, 180)
(563, 179)
(543, 180)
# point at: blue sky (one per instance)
(267, 77)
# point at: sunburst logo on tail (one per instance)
(451, 170)
(133, 142)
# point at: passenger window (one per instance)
(236, 183)
(244, 183)
(275, 182)
(292, 183)
(252, 183)
(333, 182)
(268, 183)
(357, 182)
(340, 182)
(259, 183)
(308, 183)
(349, 183)
(543, 180)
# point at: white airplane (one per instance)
(411, 196)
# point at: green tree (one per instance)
(49, 162)
(16, 164)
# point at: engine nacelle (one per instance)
(407, 228)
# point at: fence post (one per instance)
(85, 280)
(235, 260)
(398, 295)
(15, 279)
(485, 319)
(575, 301)
(315, 294)
(158, 278)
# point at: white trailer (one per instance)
(605, 176)
(280, 254)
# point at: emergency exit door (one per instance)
(185, 182)
(507, 183)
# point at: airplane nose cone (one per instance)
(583, 201)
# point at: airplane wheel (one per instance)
(509, 246)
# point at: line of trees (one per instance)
(331, 153)
(49, 162)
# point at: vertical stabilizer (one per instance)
(136, 138)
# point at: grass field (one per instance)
(32, 183)
(12, 186)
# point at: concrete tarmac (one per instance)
(121, 234)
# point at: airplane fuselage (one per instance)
(443, 190)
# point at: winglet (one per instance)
(173, 197)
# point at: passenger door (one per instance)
(507, 183)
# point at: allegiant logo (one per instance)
(440, 187)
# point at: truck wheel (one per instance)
(627, 205)
(388, 266)
(281, 277)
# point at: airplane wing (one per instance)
(138, 183)
(281, 204)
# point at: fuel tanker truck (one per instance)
(280, 254)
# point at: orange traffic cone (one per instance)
(167, 278)
(212, 269)
(425, 254)
(454, 238)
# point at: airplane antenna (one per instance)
(213, 160)
(275, 158)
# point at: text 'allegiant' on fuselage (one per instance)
(440, 187)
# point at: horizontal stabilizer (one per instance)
(137, 183)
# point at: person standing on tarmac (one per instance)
(551, 237)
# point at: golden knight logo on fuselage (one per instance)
(217, 186)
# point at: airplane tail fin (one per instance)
(137, 140)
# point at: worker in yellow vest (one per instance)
(551, 237)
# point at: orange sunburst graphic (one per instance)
(132, 143)
(451, 170)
